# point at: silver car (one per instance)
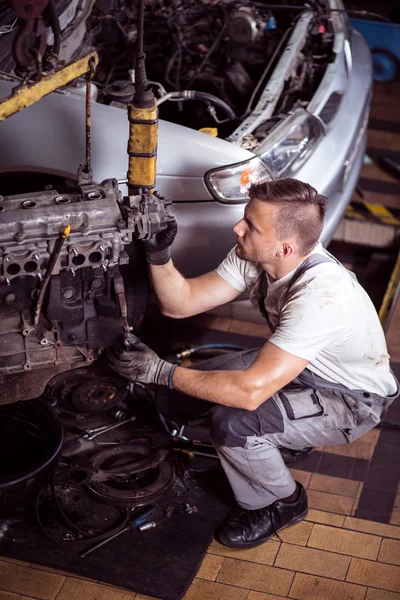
(307, 119)
(276, 90)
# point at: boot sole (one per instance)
(244, 545)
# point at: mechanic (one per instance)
(322, 378)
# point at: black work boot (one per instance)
(249, 528)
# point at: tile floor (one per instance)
(329, 555)
(348, 548)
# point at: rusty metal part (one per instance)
(28, 9)
(131, 475)
(29, 94)
(88, 164)
(97, 395)
(29, 43)
(49, 271)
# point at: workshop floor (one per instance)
(349, 546)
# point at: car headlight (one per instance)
(230, 184)
(289, 145)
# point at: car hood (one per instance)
(50, 136)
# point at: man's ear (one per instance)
(286, 250)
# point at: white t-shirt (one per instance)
(329, 320)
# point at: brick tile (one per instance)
(264, 554)
(389, 437)
(397, 501)
(333, 485)
(319, 516)
(345, 541)
(387, 455)
(382, 478)
(301, 476)
(308, 587)
(29, 582)
(297, 534)
(315, 562)
(374, 574)
(377, 501)
(76, 589)
(59, 572)
(329, 502)
(356, 449)
(260, 578)
(10, 596)
(200, 589)
(360, 469)
(143, 597)
(371, 437)
(360, 488)
(390, 552)
(354, 508)
(309, 463)
(260, 596)
(335, 465)
(210, 567)
(371, 516)
(395, 518)
(15, 561)
(373, 594)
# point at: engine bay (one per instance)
(209, 62)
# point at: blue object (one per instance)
(384, 41)
(270, 24)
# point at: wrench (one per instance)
(93, 433)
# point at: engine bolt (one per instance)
(35, 257)
(69, 293)
(101, 248)
(43, 342)
(74, 251)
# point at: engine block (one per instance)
(84, 308)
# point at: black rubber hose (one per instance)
(214, 100)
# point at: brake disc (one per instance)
(130, 475)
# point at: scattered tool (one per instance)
(90, 434)
(141, 522)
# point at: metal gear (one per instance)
(142, 486)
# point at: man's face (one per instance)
(256, 236)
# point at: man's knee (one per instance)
(232, 426)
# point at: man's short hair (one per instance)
(301, 210)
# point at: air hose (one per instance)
(196, 95)
(190, 351)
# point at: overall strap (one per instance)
(261, 295)
(309, 263)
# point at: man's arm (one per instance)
(179, 297)
(247, 389)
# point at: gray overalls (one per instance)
(310, 411)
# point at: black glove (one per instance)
(158, 246)
(140, 363)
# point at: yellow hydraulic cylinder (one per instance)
(142, 148)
